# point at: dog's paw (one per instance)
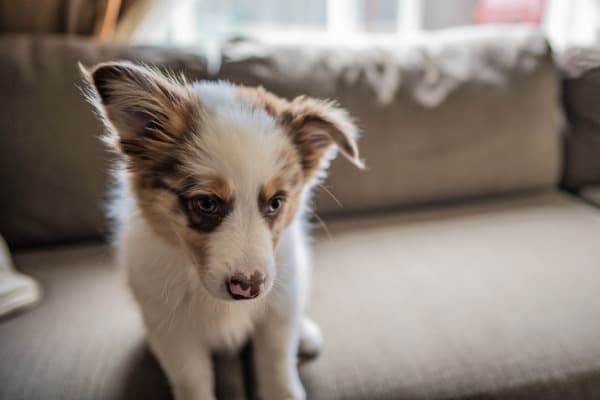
(311, 340)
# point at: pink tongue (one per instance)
(237, 289)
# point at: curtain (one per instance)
(572, 23)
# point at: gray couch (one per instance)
(475, 275)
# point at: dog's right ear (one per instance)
(142, 109)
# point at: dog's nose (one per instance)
(242, 286)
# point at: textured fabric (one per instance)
(497, 300)
(17, 291)
(85, 340)
(53, 167)
(591, 194)
(496, 130)
(475, 301)
(581, 93)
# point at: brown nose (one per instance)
(241, 286)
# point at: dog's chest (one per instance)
(226, 326)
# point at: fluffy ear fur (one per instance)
(144, 111)
(315, 126)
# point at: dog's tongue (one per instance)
(237, 290)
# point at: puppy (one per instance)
(215, 185)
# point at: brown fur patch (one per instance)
(313, 126)
(216, 185)
(162, 210)
(290, 186)
(272, 187)
(261, 98)
(146, 113)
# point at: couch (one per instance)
(471, 251)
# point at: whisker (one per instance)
(322, 224)
(326, 190)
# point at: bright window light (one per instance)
(210, 22)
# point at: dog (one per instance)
(211, 217)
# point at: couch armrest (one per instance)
(581, 96)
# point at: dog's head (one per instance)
(217, 169)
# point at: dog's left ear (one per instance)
(315, 127)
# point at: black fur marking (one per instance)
(103, 75)
(203, 222)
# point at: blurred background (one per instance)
(195, 22)
(468, 251)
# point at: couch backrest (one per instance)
(466, 113)
(453, 117)
(53, 167)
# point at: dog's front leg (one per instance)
(187, 364)
(275, 354)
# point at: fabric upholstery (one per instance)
(445, 133)
(493, 301)
(581, 88)
(85, 340)
(591, 194)
(53, 167)
(477, 301)
(467, 113)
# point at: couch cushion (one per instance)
(85, 340)
(591, 194)
(498, 300)
(463, 113)
(53, 168)
(581, 94)
(492, 300)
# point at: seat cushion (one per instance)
(496, 300)
(591, 194)
(490, 300)
(85, 340)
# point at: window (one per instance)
(193, 22)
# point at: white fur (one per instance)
(186, 317)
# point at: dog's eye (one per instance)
(274, 205)
(204, 204)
